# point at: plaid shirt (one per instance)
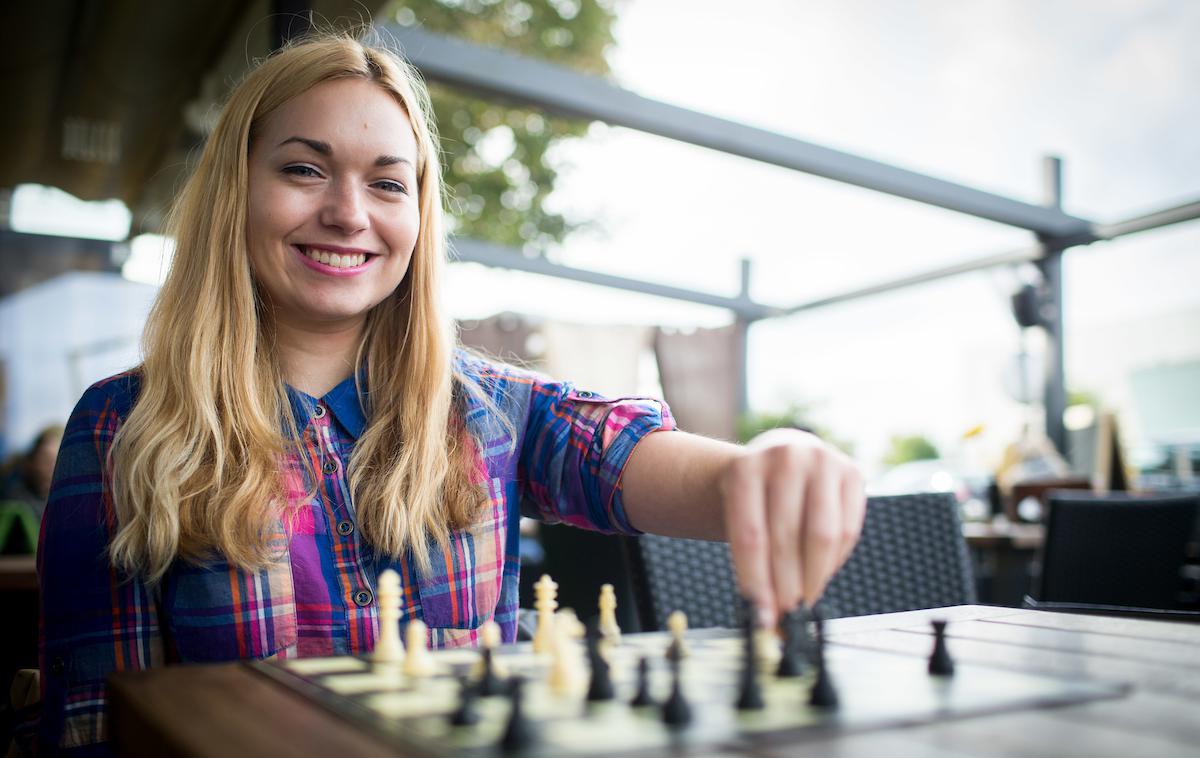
(565, 467)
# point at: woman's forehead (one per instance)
(347, 115)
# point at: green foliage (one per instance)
(497, 167)
(795, 416)
(911, 448)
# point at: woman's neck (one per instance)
(315, 361)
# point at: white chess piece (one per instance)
(677, 623)
(608, 616)
(388, 649)
(546, 602)
(418, 663)
(566, 674)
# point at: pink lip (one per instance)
(330, 270)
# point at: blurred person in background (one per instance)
(26, 478)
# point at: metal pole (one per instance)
(741, 342)
(1055, 388)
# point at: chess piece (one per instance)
(417, 661)
(940, 662)
(465, 714)
(791, 660)
(749, 693)
(676, 712)
(677, 623)
(388, 649)
(566, 673)
(519, 734)
(642, 697)
(546, 601)
(608, 615)
(600, 686)
(823, 694)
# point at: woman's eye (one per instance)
(301, 170)
(390, 186)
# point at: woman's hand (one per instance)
(793, 509)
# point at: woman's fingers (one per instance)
(794, 508)
(821, 538)
(746, 527)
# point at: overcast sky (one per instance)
(975, 92)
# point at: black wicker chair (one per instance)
(1116, 550)
(911, 555)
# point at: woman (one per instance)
(302, 421)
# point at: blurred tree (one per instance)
(911, 448)
(795, 416)
(497, 165)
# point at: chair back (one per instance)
(911, 555)
(1117, 549)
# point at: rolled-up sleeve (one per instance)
(575, 447)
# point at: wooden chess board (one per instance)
(876, 689)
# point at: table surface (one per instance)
(18, 572)
(225, 709)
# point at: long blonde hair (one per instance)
(196, 465)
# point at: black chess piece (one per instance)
(520, 733)
(489, 684)
(749, 693)
(643, 697)
(600, 688)
(792, 661)
(823, 694)
(676, 712)
(466, 713)
(940, 662)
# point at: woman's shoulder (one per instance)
(491, 374)
(113, 394)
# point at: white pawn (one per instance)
(566, 667)
(546, 602)
(609, 628)
(418, 663)
(767, 649)
(677, 622)
(388, 649)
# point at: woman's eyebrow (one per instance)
(324, 148)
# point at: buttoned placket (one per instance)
(345, 528)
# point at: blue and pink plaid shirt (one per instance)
(319, 600)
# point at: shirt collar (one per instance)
(342, 401)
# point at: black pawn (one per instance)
(791, 663)
(749, 693)
(519, 734)
(489, 684)
(676, 713)
(643, 698)
(823, 694)
(601, 687)
(466, 714)
(940, 662)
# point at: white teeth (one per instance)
(335, 260)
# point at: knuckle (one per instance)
(824, 536)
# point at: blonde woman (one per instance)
(302, 420)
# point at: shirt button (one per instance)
(345, 527)
(585, 393)
(363, 598)
(330, 466)
(319, 411)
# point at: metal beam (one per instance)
(476, 251)
(1050, 313)
(500, 74)
(1176, 214)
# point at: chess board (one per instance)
(876, 689)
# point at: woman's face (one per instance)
(334, 213)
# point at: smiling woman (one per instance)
(302, 421)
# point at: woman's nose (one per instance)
(345, 208)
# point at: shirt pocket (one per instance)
(215, 612)
(463, 586)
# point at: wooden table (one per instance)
(227, 710)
